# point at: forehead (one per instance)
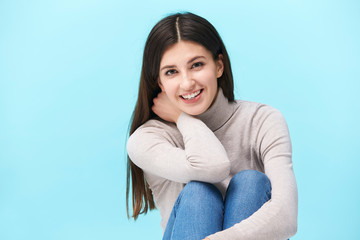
(182, 51)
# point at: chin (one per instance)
(194, 112)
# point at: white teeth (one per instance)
(192, 95)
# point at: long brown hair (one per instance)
(168, 31)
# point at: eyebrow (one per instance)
(191, 60)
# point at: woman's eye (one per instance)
(170, 72)
(198, 64)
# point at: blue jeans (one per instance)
(200, 210)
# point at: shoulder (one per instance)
(259, 112)
(157, 126)
(154, 131)
(260, 119)
(268, 128)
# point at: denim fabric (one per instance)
(200, 211)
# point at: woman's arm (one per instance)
(203, 158)
(276, 219)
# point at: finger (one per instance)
(162, 94)
(153, 108)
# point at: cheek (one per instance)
(206, 77)
(169, 87)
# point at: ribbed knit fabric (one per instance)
(213, 147)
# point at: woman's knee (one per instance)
(200, 193)
(201, 190)
(251, 178)
(248, 190)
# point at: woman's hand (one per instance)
(165, 109)
(206, 239)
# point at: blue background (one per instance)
(69, 73)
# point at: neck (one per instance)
(219, 112)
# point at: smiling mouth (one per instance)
(191, 95)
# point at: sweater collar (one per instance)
(219, 112)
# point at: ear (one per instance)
(160, 85)
(219, 66)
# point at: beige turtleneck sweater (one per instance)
(213, 147)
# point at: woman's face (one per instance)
(188, 75)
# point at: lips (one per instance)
(192, 95)
(192, 98)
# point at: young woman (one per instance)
(216, 168)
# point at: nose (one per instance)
(187, 83)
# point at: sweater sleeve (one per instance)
(277, 218)
(203, 157)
